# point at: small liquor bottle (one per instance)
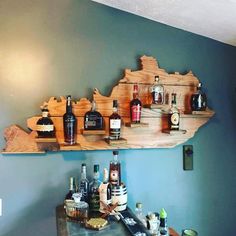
(198, 100)
(163, 222)
(69, 122)
(44, 126)
(84, 184)
(135, 106)
(174, 116)
(93, 120)
(104, 191)
(94, 200)
(157, 91)
(115, 122)
(72, 188)
(115, 170)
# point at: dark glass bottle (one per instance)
(70, 123)
(84, 183)
(198, 100)
(115, 170)
(45, 127)
(93, 120)
(72, 188)
(174, 115)
(135, 106)
(115, 122)
(94, 199)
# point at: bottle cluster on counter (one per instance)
(94, 195)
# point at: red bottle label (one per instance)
(135, 113)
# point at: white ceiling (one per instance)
(215, 19)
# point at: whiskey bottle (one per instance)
(115, 170)
(198, 100)
(157, 92)
(135, 106)
(93, 120)
(72, 188)
(115, 122)
(94, 200)
(84, 184)
(45, 127)
(69, 122)
(105, 191)
(174, 116)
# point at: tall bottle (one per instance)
(157, 92)
(115, 122)
(45, 127)
(105, 191)
(93, 120)
(84, 184)
(163, 222)
(198, 100)
(115, 170)
(135, 106)
(94, 200)
(70, 123)
(174, 115)
(72, 188)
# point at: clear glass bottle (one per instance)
(45, 127)
(139, 213)
(174, 115)
(69, 123)
(93, 120)
(198, 100)
(84, 183)
(115, 170)
(72, 189)
(135, 106)
(157, 92)
(115, 122)
(94, 199)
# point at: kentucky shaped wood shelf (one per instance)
(150, 135)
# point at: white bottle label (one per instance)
(45, 128)
(175, 118)
(115, 124)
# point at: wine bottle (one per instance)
(115, 122)
(45, 127)
(93, 120)
(70, 123)
(115, 170)
(135, 106)
(72, 188)
(174, 115)
(198, 100)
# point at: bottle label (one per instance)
(114, 177)
(45, 128)
(174, 119)
(115, 123)
(135, 113)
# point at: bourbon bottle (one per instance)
(69, 123)
(174, 115)
(115, 170)
(135, 106)
(198, 100)
(115, 122)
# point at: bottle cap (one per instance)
(139, 205)
(83, 164)
(96, 168)
(163, 213)
(115, 103)
(156, 77)
(115, 152)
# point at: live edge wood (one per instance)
(150, 135)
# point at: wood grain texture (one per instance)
(145, 136)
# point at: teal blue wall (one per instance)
(53, 48)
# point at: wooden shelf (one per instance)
(148, 134)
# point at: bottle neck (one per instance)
(44, 113)
(115, 110)
(72, 185)
(115, 158)
(68, 106)
(83, 173)
(96, 175)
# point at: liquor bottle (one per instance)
(69, 122)
(115, 122)
(198, 100)
(45, 127)
(84, 184)
(139, 213)
(174, 116)
(115, 170)
(157, 92)
(94, 200)
(72, 188)
(135, 106)
(163, 222)
(93, 120)
(105, 191)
